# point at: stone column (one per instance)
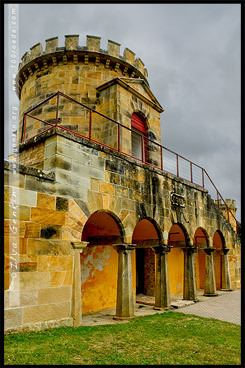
(125, 301)
(162, 300)
(226, 280)
(190, 292)
(210, 284)
(77, 248)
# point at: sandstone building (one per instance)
(97, 211)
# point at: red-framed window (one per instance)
(138, 138)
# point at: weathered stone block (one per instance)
(71, 234)
(106, 188)
(20, 263)
(93, 43)
(62, 204)
(95, 200)
(87, 172)
(16, 212)
(79, 193)
(20, 298)
(71, 42)
(48, 217)
(51, 44)
(30, 280)
(50, 149)
(51, 231)
(72, 179)
(54, 295)
(54, 263)
(14, 228)
(74, 153)
(53, 311)
(39, 185)
(32, 230)
(45, 201)
(61, 278)
(12, 318)
(48, 247)
(94, 184)
(121, 191)
(112, 178)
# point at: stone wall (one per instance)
(54, 207)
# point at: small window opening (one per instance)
(138, 138)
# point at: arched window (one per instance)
(138, 140)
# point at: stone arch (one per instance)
(146, 236)
(107, 228)
(178, 240)
(75, 221)
(218, 245)
(99, 261)
(200, 242)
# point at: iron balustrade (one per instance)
(145, 142)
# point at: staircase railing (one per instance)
(164, 158)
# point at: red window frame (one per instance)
(138, 124)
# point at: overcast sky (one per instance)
(193, 56)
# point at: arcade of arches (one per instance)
(113, 272)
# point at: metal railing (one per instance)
(152, 153)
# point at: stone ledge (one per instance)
(19, 168)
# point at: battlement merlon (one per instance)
(38, 58)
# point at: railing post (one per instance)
(191, 171)
(57, 109)
(118, 137)
(90, 124)
(161, 159)
(202, 178)
(218, 199)
(177, 162)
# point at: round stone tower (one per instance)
(102, 80)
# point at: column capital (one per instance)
(209, 250)
(124, 247)
(79, 245)
(190, 249)
(162, 248)
(225, 250)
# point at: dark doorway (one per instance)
(140, 255)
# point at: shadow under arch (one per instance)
(201, 241)
(103, 227)
(178, 240)
(99, 261)
(146, 236)
(219, 245)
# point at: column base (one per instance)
(210, 294)
(225, 289)
(122, 318)
(162, 308)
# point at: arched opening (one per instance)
(99, 262)
(146, 235)
(138, 138)
(218, 244)
(177, 240)
(200, 242)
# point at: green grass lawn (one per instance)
(162, 339)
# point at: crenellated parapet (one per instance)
(39, 60)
